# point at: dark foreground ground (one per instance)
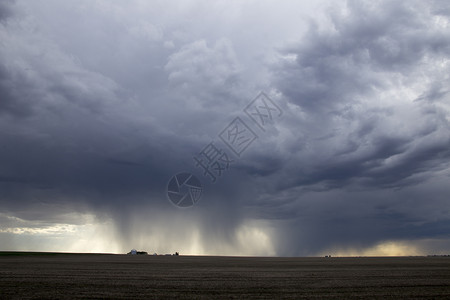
(61, 276)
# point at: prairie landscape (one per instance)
(272, 130)
(103, 276)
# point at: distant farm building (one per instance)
(135, 252)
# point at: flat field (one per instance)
(94, 276)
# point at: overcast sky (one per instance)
(102, 102)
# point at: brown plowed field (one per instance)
(93, 276)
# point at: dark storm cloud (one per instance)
(340, 72)
(341, 63)
(6, 9)
(358, 130)
(97, 115)
(74, 138)
(13, 101)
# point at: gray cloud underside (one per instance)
(98, 118)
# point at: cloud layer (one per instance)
(102, 103)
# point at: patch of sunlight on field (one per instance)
(84, 233)
(94, 238)
(393, 248)
(389, 248)
(254, 241)
(250, 239)
(186, 233)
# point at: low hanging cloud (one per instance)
(369, 85)
(97, 115)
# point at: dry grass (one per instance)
(68, 276)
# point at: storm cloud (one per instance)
(102, 103)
